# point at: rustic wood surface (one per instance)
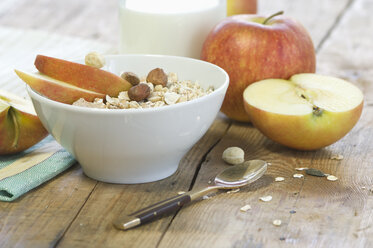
(75, 211)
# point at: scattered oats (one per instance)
(158, 87)
(337, 157)
(233, 191)
(81, 224)
(124, 96)
(245, 208)
(298, 176)
(209, 182)
(172, 77)
(363, 187)
(277, 222)
(279, 179)
(266, 198)
(269, 164)
(332, 178)
(205, 197)
(301, 168)
(171, 97)
(181, 192)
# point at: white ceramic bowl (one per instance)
(136, 145)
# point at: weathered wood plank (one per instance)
(39, 218)
(336, 214)
(318, 17)
(93, 19)
(93, 226)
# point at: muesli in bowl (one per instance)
(133, 145)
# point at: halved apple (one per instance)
(57, 90)
(306, 112)
(20, 128)
(82, 76)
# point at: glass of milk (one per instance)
(169, 27)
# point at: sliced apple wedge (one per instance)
(20, 128)
(55, 89)
(82, 76)
(306, 112)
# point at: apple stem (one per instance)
(270, 17)
(16, 127)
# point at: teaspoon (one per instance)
(230, 178)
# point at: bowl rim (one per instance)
(35, 95)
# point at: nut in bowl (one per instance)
(136, 145)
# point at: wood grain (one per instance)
(75, 211)
(109, 201)
(327, 214)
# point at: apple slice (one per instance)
(307, 112)
(20, 128)
(57, 90)
(82, 76)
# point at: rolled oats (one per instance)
(174, 92)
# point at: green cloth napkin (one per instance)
(14, 186)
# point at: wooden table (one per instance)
(73, 210)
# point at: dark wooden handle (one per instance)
(152, 212)
(162, 208)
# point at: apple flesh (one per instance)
(251, 48)
(57, 90)
(237, 7)
(82, 76)
(306, 112)
(20, 128)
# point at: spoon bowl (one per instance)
(241, 175)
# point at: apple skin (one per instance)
(30, 129)
(250, 51)
(56, 90)
(82, 76)
(308, 131)
(237, 7)
(304, 132)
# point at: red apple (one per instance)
(236, 7)
(82, 76)
(252, 48)
(20, 128)
(57, 90)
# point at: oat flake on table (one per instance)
(245, 208)
(337, 157)
(332, 178)
(279, 179)
(298, 175)
(266, 198)
(277, 222)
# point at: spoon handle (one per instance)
(158, 209)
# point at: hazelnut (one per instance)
(94, 59)
(233, 155)
(131, 77)
(157, 77)
(139, 92)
